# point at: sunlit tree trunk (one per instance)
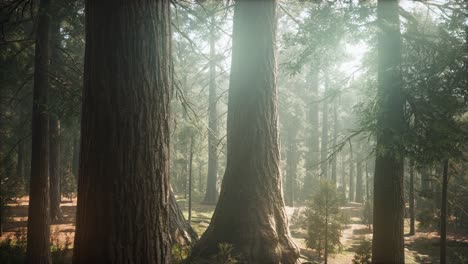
(387, 242)
(250, 212)
(313, 155)
(359, 186)
(335, 135)
(324, 141)
(351, 193)
(38, 247)
(211, 194)
(291, 166)
(123, 186)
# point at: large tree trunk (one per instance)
(388, 244)
(250, 212)
(54, 170)
(123, 187)
(38, 248)
(324, 141)
(313, 157)
(181, 231)
(443, 216)
(211, 194)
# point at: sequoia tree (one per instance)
(123, 189)
(38, 248)
(250, 212)
(388, 244)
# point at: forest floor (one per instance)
(420, 248)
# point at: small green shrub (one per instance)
(363, 254)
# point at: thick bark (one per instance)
(443, 216)
(211, 194)
(54, 170)
(38, 248)
(359, 186)
(411, 197)
(388, 244)
(181, 231)
(324, 141)
(123, 187)
(250, 212)
(312, 159)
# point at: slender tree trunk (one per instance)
(76, 156)
(335, 136)
(20, 166)
(367, 182)
(351, 193)
(211, 195)
(324, 141)
(123, 188)
(250, 212)
(181, 231)
(54, 170)
(38, 247)
(387, 242)
(291, 166)
(359, 186)
(2, 199)
(411, 197)
(190, 181)
(343, 173)
(443, 216)
(313, 157)
(326, 230)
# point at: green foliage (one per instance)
(68, 184)
(225, 254)
(325, 221)
(13, 249)
(363, 254)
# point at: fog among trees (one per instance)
(244, 131)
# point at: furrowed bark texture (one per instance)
(388, 244)
(250, 212)
(123, 189)
(38, 249)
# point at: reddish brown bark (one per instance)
(123, 190)
(250, 212)
(38, 248)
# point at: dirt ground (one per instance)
(420, 248)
